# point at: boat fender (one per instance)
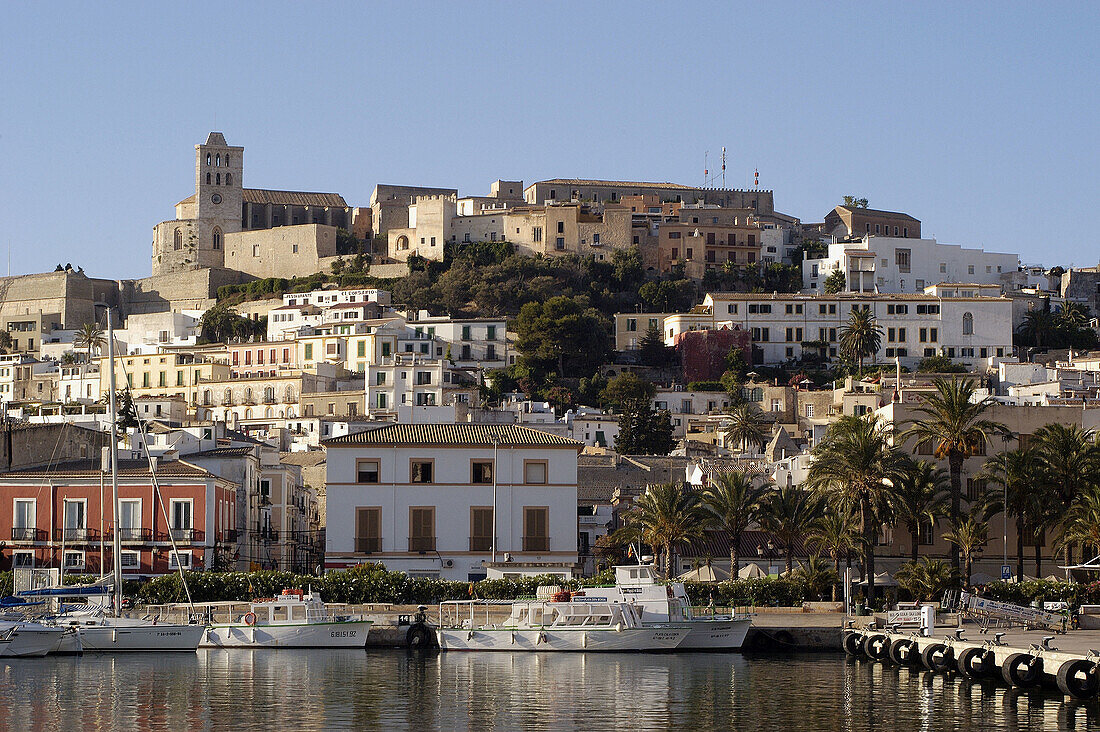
(976, 662)
(250, 618)
(1079, 678)
(901, 651)
(419, 636)
(876, 647)
(937, 657)
(541, 639)
(470, 635)
(618, 627)
(1030, 674)
(853, 643)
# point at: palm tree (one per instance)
(953, 423)
(856, 464)
(835, 532)
(817, 575)
(1016, 472)
(926, 578)
(747, 426)
(789, 514)
(1069, 464)
(969, 534)
(1038, 327)
(734, 501)
(860, 337)
(920, 496)
(90, 337)
(1081, 524)
(665, 515)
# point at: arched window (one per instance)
(248, 413)
(208, 158)
(968, 324)
(177, 240)
(227, 160)
(207, 179)
(218, 179)
(289, 395)
(227, 397)
(248, 394)
(269, 395)
(206, 396)
(217, 238)
(229, 179)
(290, 413)
(269, 413)
(218, 161)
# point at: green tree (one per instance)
(790, 514)
(338, 265)
(920, 496)
(1082, 521)
(221, 323)
(668, 296)
(1038, 328)
(734, 500)
(90, 337)
(835, 532)
(855, 202)
(952, 421)
(625, 388)
(747, 426)
(926, 579)
(861, 336)
(643, 430)
(818, 577)
(1017, 473)
(855, 466)
(940, 365)
(628, 269)
(1069, 465)
(663, 516)
(968, 534)
(834, 283)
(653, 351)
(5, 342)
(562, 334)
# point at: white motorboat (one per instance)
(25, 639)
(559, 623)
(99, 632)
(637, 585)
(292, 620)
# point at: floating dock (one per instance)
(1019, 658)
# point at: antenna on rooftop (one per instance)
(723, 166)
(706, 171)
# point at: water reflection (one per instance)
(314, 690)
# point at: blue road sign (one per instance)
(1006, 572)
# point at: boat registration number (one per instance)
(342, 634)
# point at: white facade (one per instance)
(974, 330)
(384, 505)
(148, 332)
(78, 383)
(887, 264)
(684, 406)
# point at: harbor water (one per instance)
(398, 690)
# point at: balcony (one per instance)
(228, 536)
(75, 536)
(368, 545)
(23, 533)
(421, 543)
(183, 536)
(481, 543)
(536, 543)
(132, 535)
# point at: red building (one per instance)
(61, 515)
(703, 352)
(261, 359)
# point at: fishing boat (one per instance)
(294, 619)
(26, 639)
(557, 623)
(667, 603)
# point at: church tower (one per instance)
(219, 170)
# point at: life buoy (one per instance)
(250, 618)
(1079, 678)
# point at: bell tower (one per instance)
(219, 171)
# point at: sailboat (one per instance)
(102, 628)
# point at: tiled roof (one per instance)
(876, 213)
(126, 469)
(305, 458)
(293, 198)
(223, 452)
(454, 434)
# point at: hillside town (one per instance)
(547, 379)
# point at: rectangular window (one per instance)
(130, 560)
(24, 520)
(129, 519)
(368, 529)
(481, 472)
(422, 529)
(180, 513)
(534, 472)
(76, 520)
(179, 560)
(366, 471)
(536, 529)
(809, 411)
(420, 471)
(481, 528)
(901, 258)
(179, 378)
(308, 351)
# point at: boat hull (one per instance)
(715, 635)
(32, 642)
(135, 638)
(351, 634)
(663, 638)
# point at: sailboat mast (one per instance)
(116, 536)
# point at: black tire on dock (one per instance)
(420, 636)
(901, 651)
(975, 663)
(1022, 669)
(853, 643)
(937, 658)
(1079, 678)
(877, 647)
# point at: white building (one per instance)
(973, 330)
(446, 500)
(887, 264)
(78, 382)
(684, 406)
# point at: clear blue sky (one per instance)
(979, 119)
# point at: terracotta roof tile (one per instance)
(454, 435)
(293, 198)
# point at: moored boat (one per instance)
(26, 639)
(293, 619)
